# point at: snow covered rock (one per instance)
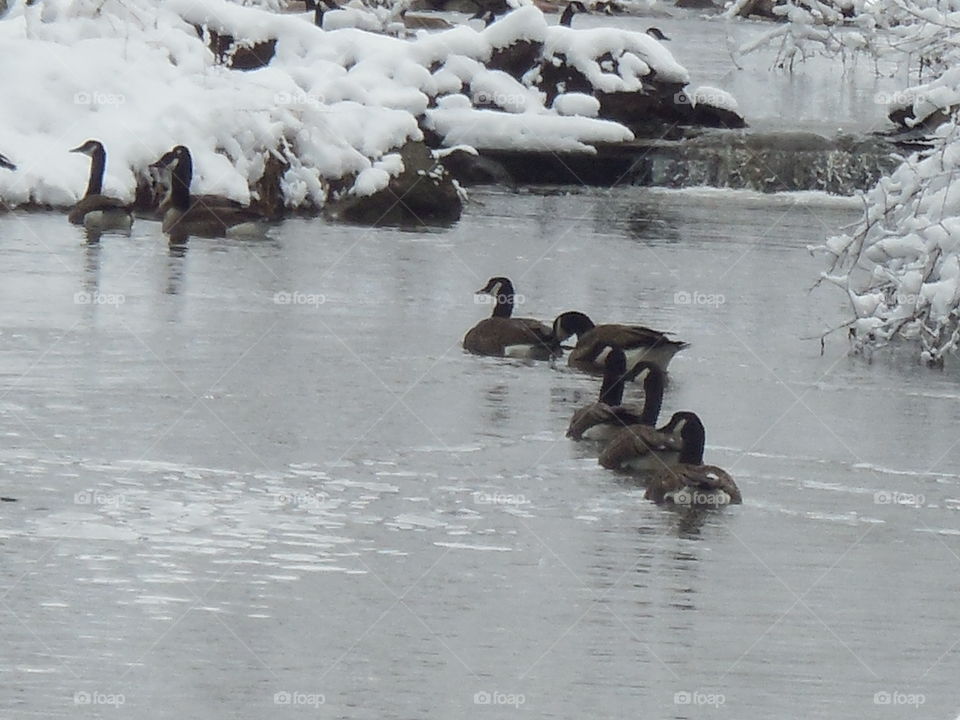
(406, 188)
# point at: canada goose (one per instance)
(656, 33)
(690, 482)
(566, 19)
(638, 342)
(95, 209)
(186, 215)
(501, 335)
(603, 419)
(643, 448)
(4, 163)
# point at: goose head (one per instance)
(689, 428)
(501, 289)
(177, 158)
(571, 323)
(90, 148)
(4, 163)
(574, 7)
(656, 33)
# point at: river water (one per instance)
(260, 478)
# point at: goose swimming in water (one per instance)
(94, 209)
(604, 418)
(656, 33)
(501, 335)
(690, 482)
(638, 342)
(187, 215)
(4, 163)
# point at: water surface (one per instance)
(256, 467)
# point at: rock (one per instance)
(423, 194)
(238, 55)
(707, 115)
(516, 59)
(697, 4)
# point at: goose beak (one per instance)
(78, 149)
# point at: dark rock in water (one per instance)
(423, 194)
(238, 55)
(707, 115)
(516, 59)
(648, 113)
(697, 4)
(470, 169)
(8, 499)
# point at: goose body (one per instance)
(641, 448)
(94, 209)
(4, 163)
(606, 417)
(639, 343)
(689, 482)
(207, 216)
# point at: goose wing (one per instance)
(493, 335)
(636, 441)
(601, 414)
(703, 478)
(631, 336)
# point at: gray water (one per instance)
(222, 497)
(826, 95)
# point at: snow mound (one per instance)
(332, 103)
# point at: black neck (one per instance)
(567, 17)
(652, 398)
(98, 163)
(611, 391)
(693, 441)
(504, 303)
(180, 180)
(318, 15)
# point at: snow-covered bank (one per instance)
(329, 105)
